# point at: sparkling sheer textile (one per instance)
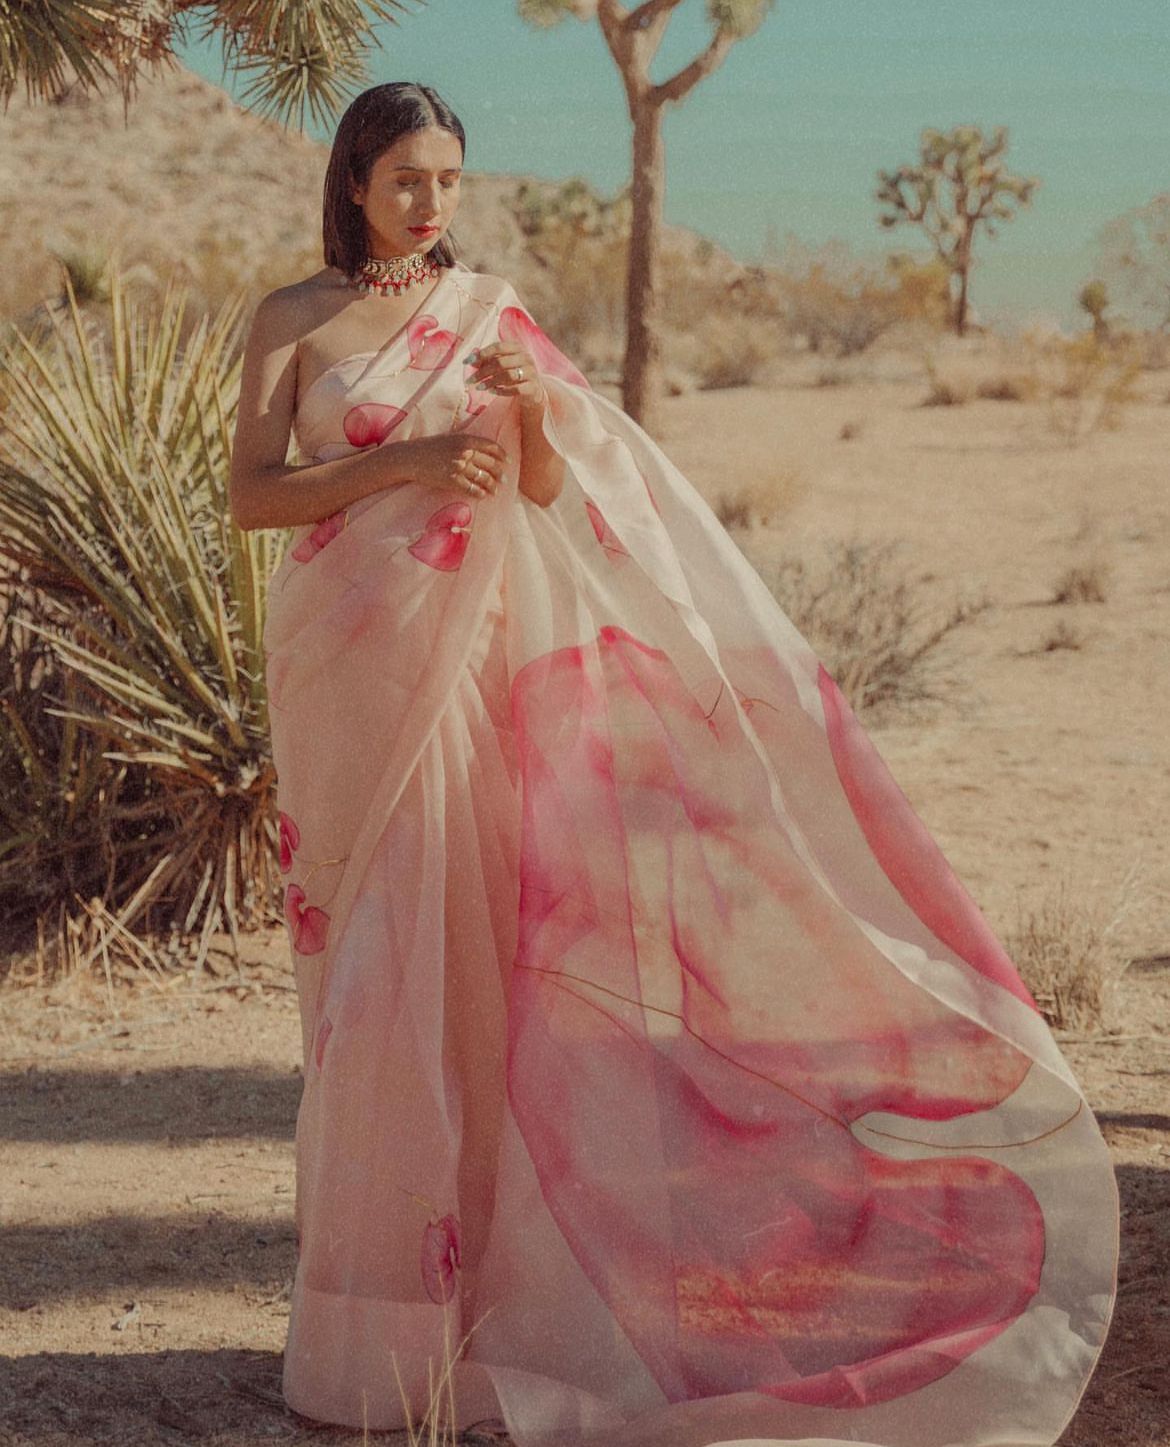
(648, 1035)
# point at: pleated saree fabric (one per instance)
(649, 1037)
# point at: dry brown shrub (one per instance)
(1084, 582)
(726, 350)
(1064, 635)
(1065, 948)
(1084, 382)
(1087, 384)
(764, 498)
(851, 429)
(877, 630)
(841, 305)
(1009, 386)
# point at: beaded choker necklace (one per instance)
(392, 273)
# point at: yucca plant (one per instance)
(146, 770)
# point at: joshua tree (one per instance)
(633, 38)
(1135, 255)
(1094, 298)
(958, 183)
(299, 53)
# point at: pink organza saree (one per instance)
(649, 1037)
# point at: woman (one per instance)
(649, 1038)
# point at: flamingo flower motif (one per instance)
(517, 326)
(472, 408)
(307, 923)
(430, 347)
(290, 840)
(370, 423)
(325, 531)
(606, 536)
(445, 537)
(936, 1254)
(440, 1258)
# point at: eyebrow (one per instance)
(447, 170)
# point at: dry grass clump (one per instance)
(1065, 948)
(1065, 635)
(850, 429)
(761, 500)
(877, 630)
(1084, 382)
(726, 350)
(841, 306)
(1083, 582)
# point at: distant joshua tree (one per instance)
(1094, 299)
(1135, 255)
(301, 54)
(633, 37)
(959, 183)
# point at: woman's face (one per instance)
(412, 184)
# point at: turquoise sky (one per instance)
(791, 131)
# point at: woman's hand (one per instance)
(509, 370)
(468, 461)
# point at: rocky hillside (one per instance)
(189, 181)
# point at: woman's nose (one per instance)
(430, 201)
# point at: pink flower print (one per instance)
(472, 409)
(430, 349)
(308, 923)
(290, 839)
(906, 850)
(323, 1034)
(325, 531)
(370, 423)
(935, 1255)
(606, 536)
(440, 1258)
(517, 326)
(445, 538)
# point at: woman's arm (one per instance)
(510, 370)
(264, 491)
(542, 468)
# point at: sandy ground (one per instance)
(146, 1134)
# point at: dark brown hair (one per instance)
(372, 122)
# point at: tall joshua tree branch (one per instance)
(959, 183)
(633, 38)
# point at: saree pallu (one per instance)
(649, 1037)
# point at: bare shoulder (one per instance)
(289, 312)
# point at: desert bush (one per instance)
(760, 500)
(725, 351)
(877, 630)
(135, 705)
(1084, 382)
(1084, 582)
(1087, 384)
(850, 429)
(1063, 635)
(836, 304)
(1065, 948)
(947, 390)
